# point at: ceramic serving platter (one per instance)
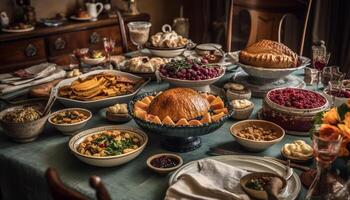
(250, 163)
(101, 103)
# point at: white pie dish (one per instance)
(108, 161)
(166, 52)
(272, 73)
(101, 103)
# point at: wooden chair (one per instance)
(59, 191)
(267, 18)
(123, 32)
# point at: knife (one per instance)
(220, 151)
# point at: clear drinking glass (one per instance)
(325, 152)
(108, 44)
(139, 33)
(320, 62)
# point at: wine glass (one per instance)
(108, 44)
(320, 62)
(325, 152)
(139, 33)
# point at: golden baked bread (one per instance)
(179, 103)
(268, 54)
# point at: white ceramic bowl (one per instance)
(93, 61)
(253, 145)
(23, 132)
(69, 129)
(200, 85)
(166, 52)
(271, 73)
(337, 100)
(108, 161)
(101, 103)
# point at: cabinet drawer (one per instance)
(22, 51)
(67, 42)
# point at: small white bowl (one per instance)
(93, 61)
(108, 161)
(244, 113)
(253, 145)
(166, 52)
(164, 170)
(232, 95)
(69, 129)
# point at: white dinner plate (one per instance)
(250, 163)
(17, 30)
(80, 18)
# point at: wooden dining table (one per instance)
(22, 166)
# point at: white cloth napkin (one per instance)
(214, 180)
(56, 74)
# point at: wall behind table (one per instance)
(161, 11)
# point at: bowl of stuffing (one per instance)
(23, 123)
(257, 135)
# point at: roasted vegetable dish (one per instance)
(98, 86)
(69, 117)
(109, 143)
(21, 115)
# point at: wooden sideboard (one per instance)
(55, 44)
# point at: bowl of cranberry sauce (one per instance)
(293, 108)
(192, 73)
(296, 99)
(337, 97)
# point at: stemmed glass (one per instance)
(108, 44)
(320, 62)
(335, 87)
(325, 152)
(139, 33)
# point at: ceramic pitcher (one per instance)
(94, 9)
(4, 19)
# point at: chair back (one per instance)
(122, 32)
(59, 191)
(267, 17)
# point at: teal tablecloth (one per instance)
(22, 166)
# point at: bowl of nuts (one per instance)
(70, 120)
(257, 135)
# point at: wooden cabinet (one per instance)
(19, 50)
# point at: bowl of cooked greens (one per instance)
(23, 123)
(108, 146)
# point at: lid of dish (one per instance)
(209, 46)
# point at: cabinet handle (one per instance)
(60, 44)
(30, 50)
(95, 38)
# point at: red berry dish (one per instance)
(190, 70)
(340, 94)
(297, 98)
(292, 108)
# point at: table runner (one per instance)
(22, 166)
